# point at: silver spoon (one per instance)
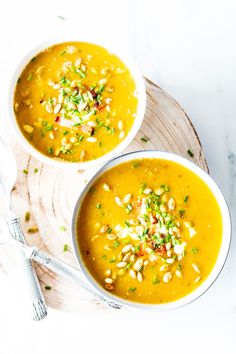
(65, 270)
(8, 175)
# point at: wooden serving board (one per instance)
(50, 194)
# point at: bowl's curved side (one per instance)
(226, 237)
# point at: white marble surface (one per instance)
(188, 48)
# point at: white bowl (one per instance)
(141, 92)
(226, 236)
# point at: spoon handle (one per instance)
(70, 273)
(39, 308)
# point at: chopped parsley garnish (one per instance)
(25, 171)
(181, 212)
(136, 164)
(36, 170)
(131, 289)
(62, 228)
(112, 260)
(109, 230)
(50, 151)
(29, 77)
(155, 280)
(190, 153)
(145, 139)
(98, 205)
(48, 287)
(116, 244)
(186, 198)
(194, 250)
(66, 247)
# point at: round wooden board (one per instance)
(50, 194)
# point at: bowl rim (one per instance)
(140, 87)
(226, 232)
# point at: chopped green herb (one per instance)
(194, 250)
(165, 187)
(49, 127)
(109, 230)
(112, 260)
(129, 207)
(127, 223)
(104, 257)
(19, 80)
(66, 247)
(143, 186)
(27, 216)
(131, 290)
(179, 266)
(62, 228)
(181, 212)
(48, 287)
(98, 205)
(190, 153)
(116, 244)
(145, 139)
(33, 59)
(65, 132)
(36, 170)
(61, 17)
(29, 77)
(50, 151)
(92, 190)
(155, 280)
(25, 171)
(63, 52)
(186, 198)
(136, 164)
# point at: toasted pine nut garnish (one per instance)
(127, 248)
(127, 257)
(198, 279)
(118, 201)
(170, 260)
(171, 204)
(127, 198)
(159, 191)
(168, 246)
(109, 281)
(138, 264)
(132, 273)
(164, 268)
(111, 237)
(106, 187)
(104, 229)
(108, 272)
(140, 277)
(163, 208)
(147, 191)
(178, 273)
(167, 277)
(192, 232)
(122, 134)
(28, 129)
(121, 264)
(196, 268)
(120, 125)
(91, 139)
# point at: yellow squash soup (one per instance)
(149, 231)
(75, 101)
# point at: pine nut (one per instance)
(132, 273)
(171, 204)
(121, 264)
(118, 201)
(138, 264)
(167, 277)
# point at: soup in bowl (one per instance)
(76, 103)
(151, 229)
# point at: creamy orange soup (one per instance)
(149, 231)
(75, 101)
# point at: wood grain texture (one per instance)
(50, 194)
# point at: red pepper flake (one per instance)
(57, 119)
